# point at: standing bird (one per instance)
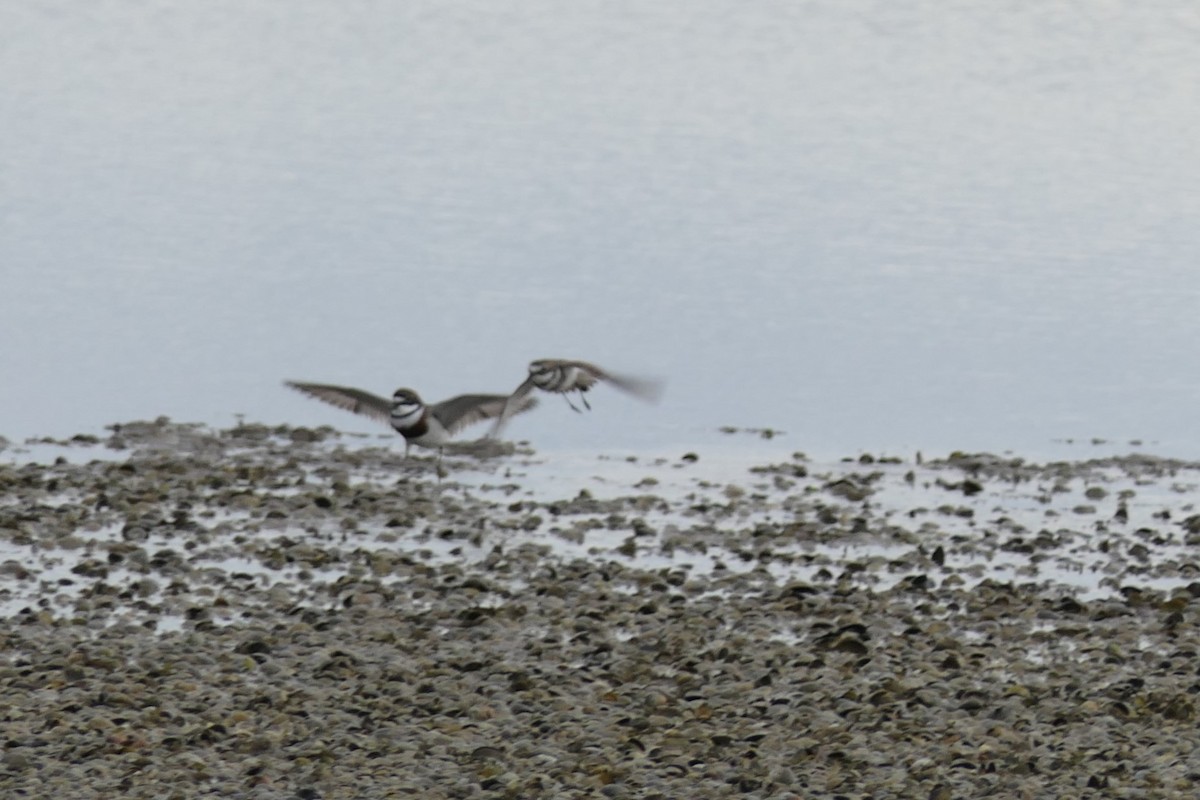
(563, 377)
(419, 424)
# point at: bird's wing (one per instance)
(467, 409)
(513, 404)
(648, 389)
(353, 400)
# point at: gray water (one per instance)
(871, 224)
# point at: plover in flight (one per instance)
(563, 377)
(419, 424)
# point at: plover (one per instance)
(562, 376)
(420, 424)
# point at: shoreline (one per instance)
(285, 612)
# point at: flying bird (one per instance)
(561, 376)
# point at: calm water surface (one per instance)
(870, 224)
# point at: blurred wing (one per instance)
(513, 404)
(648, 389)
(467, 409)
(354, 400)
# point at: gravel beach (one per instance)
(275, 612)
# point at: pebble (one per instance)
(270, 612)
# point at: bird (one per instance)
(563, 376)
(424, 425)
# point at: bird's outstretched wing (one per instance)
(467, 409)
(648, 389)
(349, 399)
(512, 405)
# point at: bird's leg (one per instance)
(583, 399)
(572, 405)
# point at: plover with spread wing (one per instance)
(420, 424)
